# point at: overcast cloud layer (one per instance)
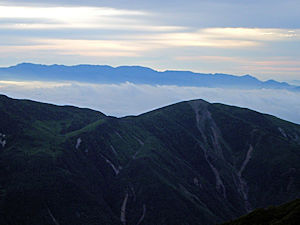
(203, 13)
(261, 38)
(130, 99)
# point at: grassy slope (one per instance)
(156, 158)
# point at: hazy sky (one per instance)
(258, 37)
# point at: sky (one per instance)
(257, 37)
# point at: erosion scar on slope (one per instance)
(243, 187)
(248, 157)
(200, 125)
(143, 215)
(52, 217)
(123, 210)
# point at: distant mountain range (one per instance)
(137, 75)
(187, 163)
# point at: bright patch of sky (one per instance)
(261, 38)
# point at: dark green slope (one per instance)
(287, 214)
(189, 163)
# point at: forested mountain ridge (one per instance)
(188, 163)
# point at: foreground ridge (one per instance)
(287, 214)
(188, 163)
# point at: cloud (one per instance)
(131, 99)
(64, 14)
(284, 66)
(261, 34)
(204, 13)
(28, 17)
(134, 44)
(158, 34)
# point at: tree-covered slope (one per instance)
(286, 214)
(188, 163)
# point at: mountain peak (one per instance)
(204, 161)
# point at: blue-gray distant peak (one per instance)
(135, 74)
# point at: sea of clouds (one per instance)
(133, 99)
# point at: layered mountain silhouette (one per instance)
(187, 163)
(135, 74)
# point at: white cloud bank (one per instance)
(131, 99)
